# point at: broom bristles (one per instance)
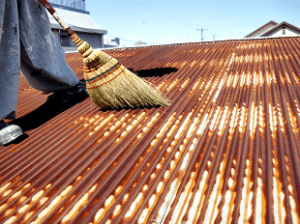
(112, 86)
(123, 89)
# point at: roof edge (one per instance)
(271, 22)
(79, 29)
(279, 25)
(198, 42)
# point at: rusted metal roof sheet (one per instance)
(225, 151)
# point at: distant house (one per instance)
(273, 29)
(140, 43)
(81, 23)
(110, 42)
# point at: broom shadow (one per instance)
(154, 72)
(58, 104)
(54, 105)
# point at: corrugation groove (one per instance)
(225, 151)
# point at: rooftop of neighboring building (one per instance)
(78, 20)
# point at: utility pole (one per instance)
(201, 33)
(214, 35)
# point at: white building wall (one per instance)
(288, 32)
(74, 18)
(80, 20)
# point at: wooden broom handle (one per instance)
(52, 11)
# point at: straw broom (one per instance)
(109, 84)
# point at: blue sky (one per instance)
(167, 21)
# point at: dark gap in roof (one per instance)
(124, 108)
(154, 72)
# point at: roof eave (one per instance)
(278, 26)
(271, 22)
(80, 29)
(197, 42)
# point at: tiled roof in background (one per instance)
(225, 151)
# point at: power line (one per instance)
(185, 24)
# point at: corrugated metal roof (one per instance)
(225, 151)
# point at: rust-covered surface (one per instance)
(225, 151)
